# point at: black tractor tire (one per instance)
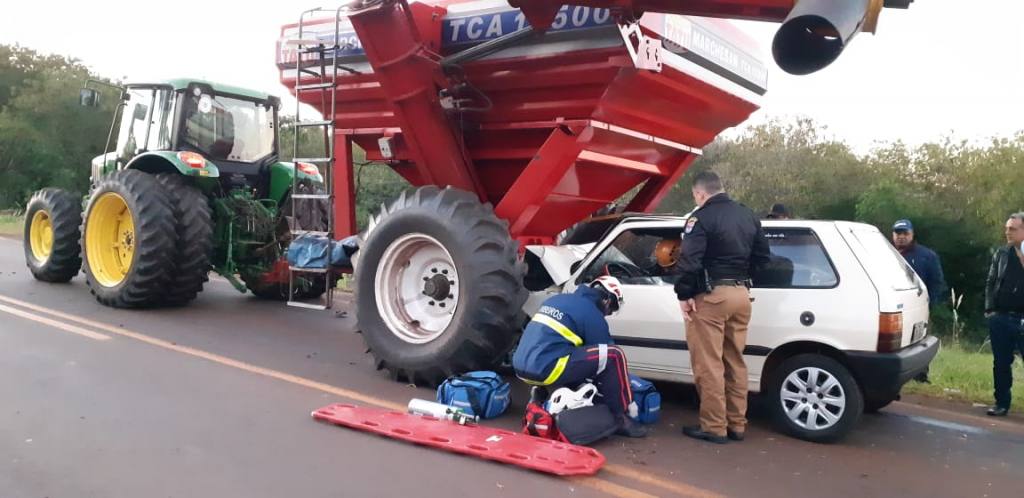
(153, 240)
(309, 288)
(846, 386)
(484, 325)
(52, 220)
(194, 229)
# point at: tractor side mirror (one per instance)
(88, 97)
(139, 114)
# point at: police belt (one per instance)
(730, 282)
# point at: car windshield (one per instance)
(227, 128)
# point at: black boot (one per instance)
(629, 428)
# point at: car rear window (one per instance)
(883, 262)
(798, 261)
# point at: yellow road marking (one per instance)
(680, 488)
(610, 488)
(55, 324)
(223, 360)
(596, 483)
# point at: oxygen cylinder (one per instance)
(440, 411)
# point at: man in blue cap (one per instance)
(924, 261)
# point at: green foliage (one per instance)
(46, 138)
(11, 223)
(958, 195)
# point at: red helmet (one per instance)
(613, 288)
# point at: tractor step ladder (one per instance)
(311, 62)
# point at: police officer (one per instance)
(568, 342)
(723, 246)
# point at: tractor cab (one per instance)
(232, 128)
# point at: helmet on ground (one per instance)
(611, 291)
(666, 252)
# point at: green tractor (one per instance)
(193, 184)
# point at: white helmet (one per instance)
(613, 288)
(566, 399)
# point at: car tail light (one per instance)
(192, 159)
(309, 169)
(890, 332)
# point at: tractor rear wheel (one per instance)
(129, 241)
(194, 230)
(51, 239)
(438, 286)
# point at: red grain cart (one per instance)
(511, 134)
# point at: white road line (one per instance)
(952, 426)
(54, 323)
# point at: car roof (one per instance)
(795, 223)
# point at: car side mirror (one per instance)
(88, 97)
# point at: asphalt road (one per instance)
(214, 399)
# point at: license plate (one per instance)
(920, 330)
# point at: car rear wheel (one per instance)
(815, 398)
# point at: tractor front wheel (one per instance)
(51, 235)
(129, 240)
(438, 286)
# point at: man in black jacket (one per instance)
(1004, 308)
(723, 246)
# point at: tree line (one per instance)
(957, 194)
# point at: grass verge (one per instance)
(965, 374)
(10, 224)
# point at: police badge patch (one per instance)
(690, 224)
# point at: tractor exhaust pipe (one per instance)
(816, 31)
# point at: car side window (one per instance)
(631, 258)
(798, 261)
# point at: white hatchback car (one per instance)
(840, 321)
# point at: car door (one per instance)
(649, 327)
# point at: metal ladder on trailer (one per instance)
(316, 51)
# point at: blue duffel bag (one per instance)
(484, 394)
(317, 252)
(309, 251)
(647, 399)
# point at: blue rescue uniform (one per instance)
(568, 342)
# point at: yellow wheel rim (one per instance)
(109, 239)
(40, 236)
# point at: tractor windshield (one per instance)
(227, 128)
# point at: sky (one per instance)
(943, 68)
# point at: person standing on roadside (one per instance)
(723, 245)
(1004, 308)
(923, 260)
(779, 212)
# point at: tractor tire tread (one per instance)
(65, 211)
(194, 229)
(485, 334)
(155, 241)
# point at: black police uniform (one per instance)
(723, 245)
(723, 241)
